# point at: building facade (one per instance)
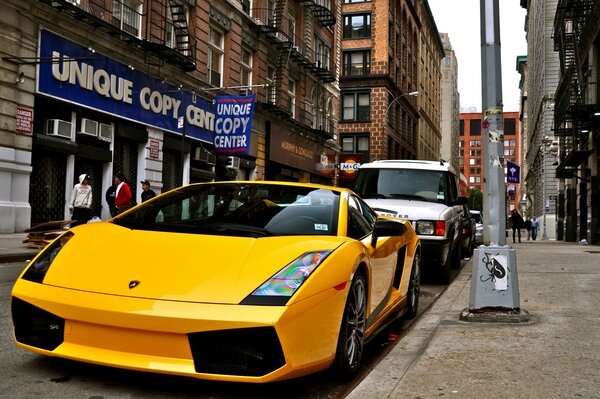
(541, 83)
(380, 55)
(96, 87)
(431, 53)
(450, 104)
(522, 70)
(470, 151)
(577, 120)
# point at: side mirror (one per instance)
(460, 201)
(387, 228)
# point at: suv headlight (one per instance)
(38, 268)
(279, 289)
(430, 228)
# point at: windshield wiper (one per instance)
(251, 231)
(411, 196)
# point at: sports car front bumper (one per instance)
(208, 341)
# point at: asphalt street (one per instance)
(29, 375)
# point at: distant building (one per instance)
(450, 104)
(470, 151)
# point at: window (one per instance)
(127, 15)
(358, 226)
(475, 171)
(322, 50)
(355, 143)
(475, 153)
(292, 97)
(475, 125)
(510, 126)
(461, 144)
(461, 132)
(510, 151)
(510, 143)
(356, 107)
(357, 62)
(357, 26)
(215, 56)
(272, 93)
(246, 67)
(474, 143)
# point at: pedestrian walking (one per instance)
(81, 201)
(516, 223)
(527, 226)
(110, 194)
(122, 193)
(146, 192)
(534, 228)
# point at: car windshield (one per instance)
(422, 185)
(239, 209)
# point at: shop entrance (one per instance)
(47, 187)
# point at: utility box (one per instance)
(494, 281)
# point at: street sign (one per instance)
(513, 172)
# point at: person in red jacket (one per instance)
(123, 193)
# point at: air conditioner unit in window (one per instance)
(58, 127)
(89, 127)
(200, 154)
(105, 132)
(233, 163)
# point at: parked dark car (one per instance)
(467, 233)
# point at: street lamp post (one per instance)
(398, 97)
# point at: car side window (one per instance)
(358, 225)
(452, 193)
(367, 212)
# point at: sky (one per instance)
(460, 19)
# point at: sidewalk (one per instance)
(556, 355)
(12, 248)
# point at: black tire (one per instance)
(414, 288)
(456, 256)
(443, 276)
(352, 331)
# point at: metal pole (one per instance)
(494, 201)
(182, 146)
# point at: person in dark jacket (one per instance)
(110, 195)
(527, 226)
(516, 223)
(146, 192)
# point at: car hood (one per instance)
(407, 209)
(106, 258)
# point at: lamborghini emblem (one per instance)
(133, 284)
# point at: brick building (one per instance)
(98, 86)
(380, 57)
(470, 151)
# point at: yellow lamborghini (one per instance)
(235, 281)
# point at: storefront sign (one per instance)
(301, 153)
(94, 81)
(349, 165)
(154, 149)
(233, 124)
(24, 120)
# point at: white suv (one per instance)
(427, 194)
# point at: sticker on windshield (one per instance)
(440, 196)
(321, 227)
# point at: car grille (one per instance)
(245, 351)
(35, 326)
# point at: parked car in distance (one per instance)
(467, 233)
(478, 227)
(427, 194)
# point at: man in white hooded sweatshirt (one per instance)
(81, 201)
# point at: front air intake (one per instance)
(246, 351)
(36, 327)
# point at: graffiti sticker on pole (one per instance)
(497, 268)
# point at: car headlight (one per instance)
(430, 228)
(38, 268)
(279, 289)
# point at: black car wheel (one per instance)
(352, 332)
(414, 288)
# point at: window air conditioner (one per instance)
(233, 163)
(201, 154)
(58, 127)
(89, 127)
(105, 132)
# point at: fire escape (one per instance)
(576, 101)
(279, 31)
(167, 39)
